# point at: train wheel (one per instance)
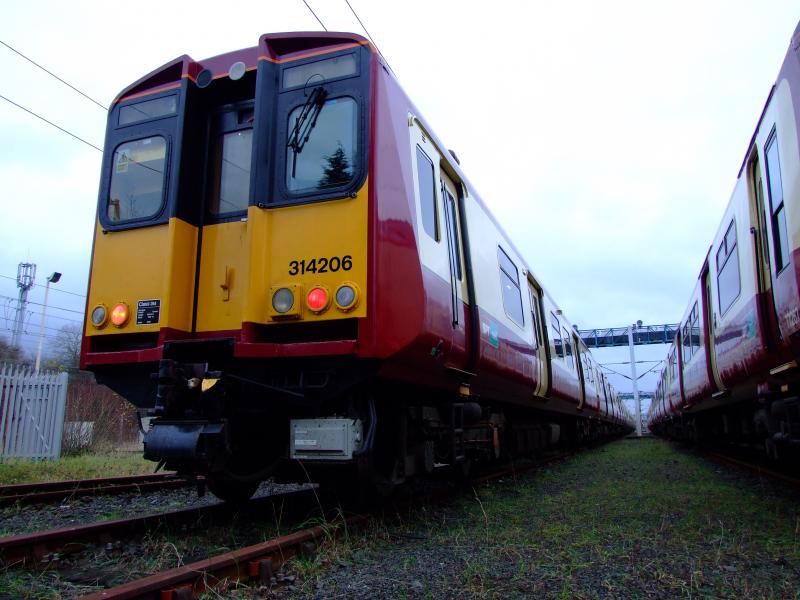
(461, 472)
(231, 490)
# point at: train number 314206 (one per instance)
(321, 265)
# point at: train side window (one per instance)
(452, 232)
(672, 373)
(695, 328)
(427, 194)
(137, 180)
(535, 317)
(556, 348)
(509, 283)
(321, 154)
(567, 341)
(780, 240)
(728, 282)
(686, 342)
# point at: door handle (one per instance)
(226, 284)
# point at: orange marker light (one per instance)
(317, 299)
(119, 314)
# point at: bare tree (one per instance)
(9, 353)
(97, 419)
(67, 347)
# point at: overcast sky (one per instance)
(606, 137)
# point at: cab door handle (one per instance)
(226, 284)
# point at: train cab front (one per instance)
(229, 275)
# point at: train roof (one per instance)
(273, 47)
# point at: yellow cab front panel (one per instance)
(298, 247)
(234, 204)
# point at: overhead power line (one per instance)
(653, 368)
(315, 15)
(352, 10)
(51, 123)
(52, 289)
(56, 329)
(35, 336)
(52, 316)
(69, 85)
(77, 312)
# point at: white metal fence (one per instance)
(31, 412)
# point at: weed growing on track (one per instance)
(73, 467)
(633, 519)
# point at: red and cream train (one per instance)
(289, 264)
(732, 372)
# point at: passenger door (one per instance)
(440, 245)
(458, 292)
(223, 238)
(761, 240)
(542, 369)
(711, 324)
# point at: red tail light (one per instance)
(317, 299)
(119, 314)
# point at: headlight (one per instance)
(99, 316)
(282, 300)
(119, 314)
(346, 296)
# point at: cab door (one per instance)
(223, 238)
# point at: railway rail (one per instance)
(55, 491)
(21, 550)
(754, 467)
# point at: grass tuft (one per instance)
(73, 467)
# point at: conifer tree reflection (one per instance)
(338, 170)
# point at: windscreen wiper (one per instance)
(307, 119)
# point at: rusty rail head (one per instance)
(17, 489)
(252, 562)
(59, 490)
